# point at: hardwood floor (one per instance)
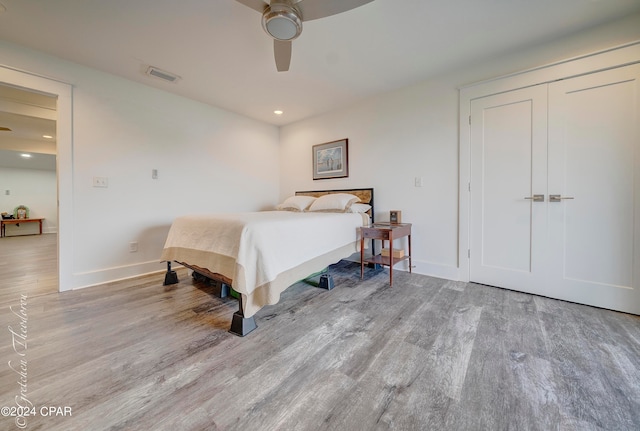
(28, 261)
(427, 354)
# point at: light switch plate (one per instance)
(100, 182)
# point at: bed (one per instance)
(260, 254)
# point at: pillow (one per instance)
(359, 208)
(336, 202)
(296, 203)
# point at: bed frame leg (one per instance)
(170, 277)
(326, 281)
(241, 325)
(323, 281)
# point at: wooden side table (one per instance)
(384, 232)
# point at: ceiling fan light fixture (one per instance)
(282, 21)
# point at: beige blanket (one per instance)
(253, 249)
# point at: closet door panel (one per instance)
(508, 148)
(594, 166)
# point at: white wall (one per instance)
(413, 132)
(208, 160)
(393, 139)
(34, 188)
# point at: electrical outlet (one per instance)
(7, 192)
(100, 182)
(418, 182)
(154, 174)
(133, 246)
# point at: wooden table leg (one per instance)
(409, 236)
(390, 258)
(361, 256)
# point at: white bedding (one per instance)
(253, 249)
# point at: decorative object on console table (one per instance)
(331, 160)
(395, 216)
(385, 232)
(21, 212)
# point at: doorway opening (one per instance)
(28, 180)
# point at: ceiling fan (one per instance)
(282, 20)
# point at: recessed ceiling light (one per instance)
(25, 155)
(278, 112)
(47, 136)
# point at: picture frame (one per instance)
(331, 160)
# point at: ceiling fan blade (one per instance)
(257, 5)
(314, 9)
(282, 53)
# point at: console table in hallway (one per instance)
(5, 222)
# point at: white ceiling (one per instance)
(225, 59)
(26, 127)
(29, 116)
(40, 161)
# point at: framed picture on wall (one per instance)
(331, 160)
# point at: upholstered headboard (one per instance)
(365, 195)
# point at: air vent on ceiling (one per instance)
(159, 73)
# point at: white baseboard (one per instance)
(447, 272)
(108, 275)
(425, 268)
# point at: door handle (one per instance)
(536, 198)
(558, 198)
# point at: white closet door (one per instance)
(594, 166)
(508, 167)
